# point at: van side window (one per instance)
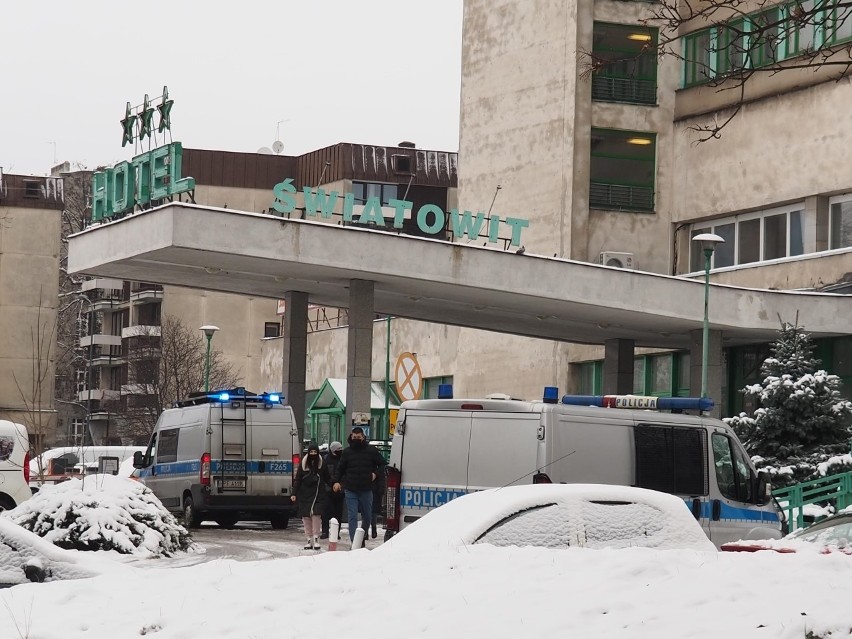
(167, 446)
(671, 459)
(733, 472)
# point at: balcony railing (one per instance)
(617, 197)
(140, 330)
(631, 90)
(100, 338)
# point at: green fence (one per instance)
(836, 489)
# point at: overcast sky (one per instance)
(368, 71)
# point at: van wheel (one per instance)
(226, 521)
(191, 519)
(6, 503)
(280, 522)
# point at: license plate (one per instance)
(233, 483)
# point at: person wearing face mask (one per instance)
(334, 505)
(360, 466)
(310, 491)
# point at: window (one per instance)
(431, 384)
(271, 329)
(362, 191)
(589, 376)
(697, 58)
(838, 24)
(31, 188)
(168, 446)
(401, 163)
(622, 170)
(767, 39)
(658, 375)
(639, 376)
(671, 459)
(627, 59)
(733, 46)
(733, 472)
(840, 233)
(754, 237)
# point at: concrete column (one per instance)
(715, 374)
(359, 362)
(618, 367)
(295, 355)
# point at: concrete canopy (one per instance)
(450, 283)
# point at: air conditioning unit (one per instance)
(618, 260)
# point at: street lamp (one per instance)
(208, 330)
(708, 242)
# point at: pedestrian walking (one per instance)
(310, 491)
(334, 504)
(360, 465)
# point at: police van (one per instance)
(444, 448)
(14, 464)
(224, 456)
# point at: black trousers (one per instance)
(333, 509)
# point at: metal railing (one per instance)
(619, 197)
(833, 488)
(610, 89)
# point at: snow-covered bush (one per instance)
(102, 512)
(801, 429)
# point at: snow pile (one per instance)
(102, 512)
(23, 553)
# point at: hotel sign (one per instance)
(430, 218)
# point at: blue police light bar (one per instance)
(551, 395)
(273, 397)
(223, 397)
(640, 402)
(445, 391)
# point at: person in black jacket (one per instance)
(310, 488)
(334, 505)
(360, 465)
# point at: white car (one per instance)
(558, 516)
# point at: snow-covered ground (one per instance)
(451, 591)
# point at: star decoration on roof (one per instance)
(145, 119)
(165, 109)
(127, 125)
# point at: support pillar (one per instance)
(618, 367)
(359, 362)
(714, 368)
(295, 355)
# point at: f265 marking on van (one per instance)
(427, 496)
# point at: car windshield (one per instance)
(835, 533)
(601, 524)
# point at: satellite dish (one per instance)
(265, 150)
(278, 146)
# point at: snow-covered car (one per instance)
(558, 516)
(830, 535)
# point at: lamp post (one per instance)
(208, 330)
(708, 242)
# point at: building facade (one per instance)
(30, 220)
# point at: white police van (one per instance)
(14, 464)
(226, 456)
(444, 448)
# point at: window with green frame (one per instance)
(590, 378)
(661, 375)
(626, 58)
(760, 39)
(623, 170)
(431, 384)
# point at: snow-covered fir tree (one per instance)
(801, 429)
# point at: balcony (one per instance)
(140, 330)
(148, 294)
(98, 395)
(101, 340)
(102, 283)
(138, 389)
(629, 90)
(618, 197)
